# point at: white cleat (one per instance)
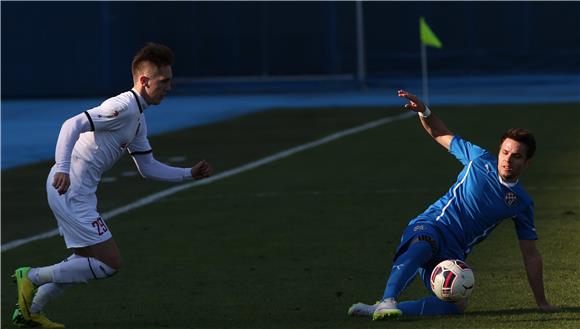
(362, 309)
(387, 309)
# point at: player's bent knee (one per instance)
(110, 263)
(115, 263)
(103, 270)
(111, 257)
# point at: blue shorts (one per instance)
(443, 246)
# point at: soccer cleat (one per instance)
(26, 291)
(387, 309)
(362, 309)
(17, 318)
(36, 321)
(40, 320)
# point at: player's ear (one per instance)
(144, 81)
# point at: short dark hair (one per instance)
(158, 54)
(523, 136)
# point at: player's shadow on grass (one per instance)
(521, 311)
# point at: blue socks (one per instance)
(403, 271)
(428, 306)
(405, 268)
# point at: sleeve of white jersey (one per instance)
(140, 143)
(142, 154)
(110, 115)
(69, 134)
(153, 169)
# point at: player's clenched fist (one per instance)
(61, 182)
(201, 170)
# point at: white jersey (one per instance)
(115, 125)
(92, 142)
(123, 120)
(88, 145)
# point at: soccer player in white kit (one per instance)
(89, 144)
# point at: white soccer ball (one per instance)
(452, 280)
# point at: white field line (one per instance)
(341, 193)
(249, 166)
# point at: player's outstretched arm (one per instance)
(432, 124)
(534, 271)
(150, 168)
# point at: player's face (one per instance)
(157, 83)
(512, 159)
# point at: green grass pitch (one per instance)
(294, 243)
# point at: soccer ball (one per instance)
(452, 280)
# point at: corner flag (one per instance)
(427, 36)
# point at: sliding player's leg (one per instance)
(431, 305)
(402, 273)
(419, 244)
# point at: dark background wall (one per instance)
(85, 48)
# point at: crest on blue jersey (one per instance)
(510, 198)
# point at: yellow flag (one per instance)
(427, 36)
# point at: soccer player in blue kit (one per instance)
(486, 192)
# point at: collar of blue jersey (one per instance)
(507, 184)
(142, 100)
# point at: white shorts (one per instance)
(78, 220)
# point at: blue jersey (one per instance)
(479, 200)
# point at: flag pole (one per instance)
(424, 73)
(360, 45)
(428, 38)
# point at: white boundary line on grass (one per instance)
(249, 166)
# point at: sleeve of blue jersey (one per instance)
(465, 151)
(524, 222)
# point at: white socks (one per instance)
(46, 293)
(40, 275)
(74, 269)
(81, 270)
(53, 280)
(43, 275)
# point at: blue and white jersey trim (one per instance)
(479, 238)
(455, 193)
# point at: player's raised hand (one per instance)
(201, 170)
(414, 104)
(61, 182)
